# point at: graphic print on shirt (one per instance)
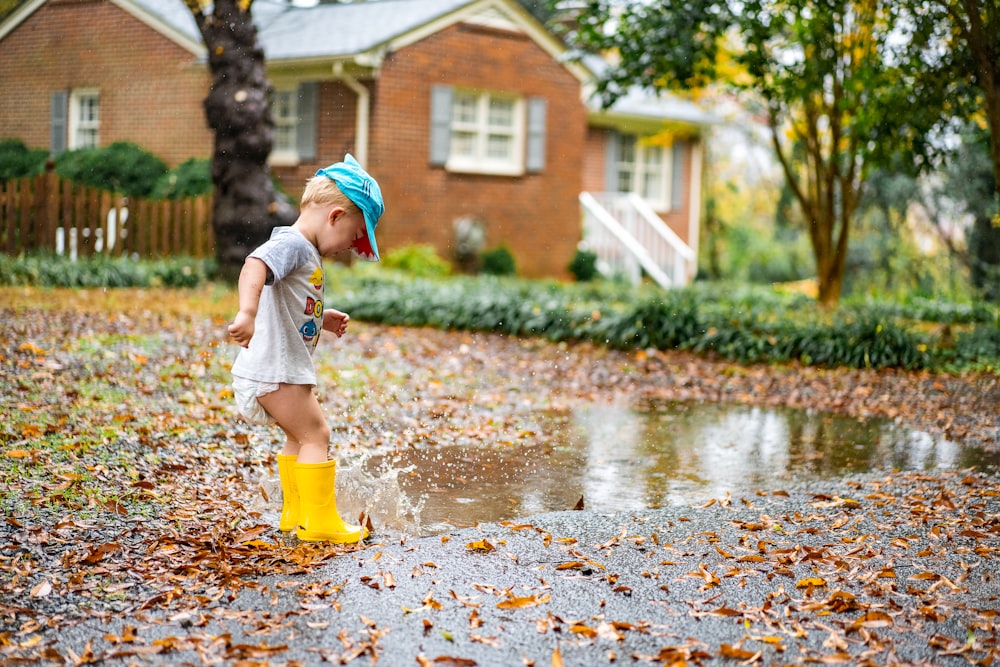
(316, 279)
(314, 307)
(310, 332)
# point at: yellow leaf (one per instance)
(481, 545)
(810, 581)
(19, 453)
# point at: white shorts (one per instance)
(246, 393)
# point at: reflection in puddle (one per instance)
(620, 459)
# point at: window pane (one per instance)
(626, 150)
(86, 138)
(284, 137)
(624, 181)
(501, 113)
(283, 105)
(500, 146)
(464, 110)
(88, 109)
(463, 143)
(653, 176)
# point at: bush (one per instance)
(418, 260)
(122, 167)
(101, 271)
(498, 262)
(583, 266)
(191, 178)
(18, 161)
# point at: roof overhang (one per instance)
(195, 46)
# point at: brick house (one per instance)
(462, 109)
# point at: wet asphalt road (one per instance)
(900, 571)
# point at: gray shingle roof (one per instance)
(329, 30)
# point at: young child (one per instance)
(278, 325)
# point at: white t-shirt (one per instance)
(290, 315)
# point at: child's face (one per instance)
(341, 231)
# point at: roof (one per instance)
(640, 104)
(290, 32)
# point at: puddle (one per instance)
(619, 459)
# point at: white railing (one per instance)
(629, 238)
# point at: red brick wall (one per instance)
(151, 89)
(536, 215)
(596, 153)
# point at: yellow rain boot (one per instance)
(289, 493)
(318, 517)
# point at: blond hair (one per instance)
(323, 191)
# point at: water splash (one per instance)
(376, 492)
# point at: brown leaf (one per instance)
(96, 555)
(42, 589)
(557, 660)
(448, 660)
(515, 602)
(873, 619)
(737, 653)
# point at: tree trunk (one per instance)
(246, 206)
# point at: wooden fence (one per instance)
(47, 213)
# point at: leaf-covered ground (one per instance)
(129, 491)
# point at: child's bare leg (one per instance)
(295, 408)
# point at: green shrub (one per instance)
(418, 260)
(122, 167)
(583, 266)
(191, 178)
(44, 270)
(498, 262)
(18, 161)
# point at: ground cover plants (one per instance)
(741, 323)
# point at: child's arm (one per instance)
(251, 283)
(335, 321)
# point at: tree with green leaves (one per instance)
(955, 50)
(830, 83)
(246, 206)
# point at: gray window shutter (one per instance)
(58, 121)
(441, 98)
(536, 134)
(305, 132)
(611, 161)
(677, 175)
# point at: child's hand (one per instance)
(242, 328)
(335, 321)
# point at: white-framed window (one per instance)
(285, 113)
(643, 168)
(84, 118)
(487, 133)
